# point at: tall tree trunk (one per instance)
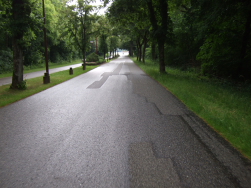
(131, 49)
(160, 30)
(18, 8)
(245, 42)
(143, 53)
(17, 77)
(145, 41)
(84, 59)
(140, 52)
(161, 47)
(163, 30)
(97, 45)
(137, 44)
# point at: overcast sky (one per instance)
(96, 3)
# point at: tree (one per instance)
(113, 44)
(6, 55)
(21, 35)
(158, 11)
(134, 14)
(21, 10)
(226, 48)
(79, 25)
(103, 28)
(103, 47)
(131, 20)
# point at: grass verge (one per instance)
(42, 67)
(35, 85)
(223, 107)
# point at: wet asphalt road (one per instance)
(112, 127)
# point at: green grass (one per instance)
(42, 67)
(223, 107)
(35, 85)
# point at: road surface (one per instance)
(7, 80)
(112, 127)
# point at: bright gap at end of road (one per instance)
(96, 3)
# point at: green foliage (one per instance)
(113, 43)
(6, 61)
(148, 53)
(78, 26)
(131, 18)
(93, 57)
(101, 60)
(213, 35)
(31, 25)
(221, 52)
(60, 52)
(103, 47)
(214, 54)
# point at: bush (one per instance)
(101, 60)
(219, 56)
(34, 58)
(93, 57)
(6, 64)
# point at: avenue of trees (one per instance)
(209, 35)
(212, 36)
(74, 30)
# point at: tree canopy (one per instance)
(211, 36)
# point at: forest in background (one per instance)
(210, 36)
(73, 31)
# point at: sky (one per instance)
(96, 3)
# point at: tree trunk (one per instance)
(140, 52)
(145, 41)
(245, 42)
(18, 14)
(84, 61)
(162, 67)
(162, 39)
(84, 48)
(97, 45)
(144, 51)
(137, 44)
(131, 49)
(160, 30)
(17, 77)
(154, 51)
